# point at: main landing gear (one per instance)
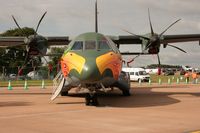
(91, 99)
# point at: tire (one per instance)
(126, 93)
(87, 99)
(65, 93)
(91, 100)
(95, 101)
(139, 80)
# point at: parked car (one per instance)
(187, 68)
(16, 77)
(34, 75)
(137, 74)
(168, 72)
(12, 76)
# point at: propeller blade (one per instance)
(158, 60)
(18, 25)
(26, 58)
(42, 55)
(152, 33)
(16, 22)
(128, 62)
(149, 45)
(169, 27)
(24, 64)
(159, 65)
(40, 22)
(177, 48)
(136, 34)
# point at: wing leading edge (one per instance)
(18, 41)
(180, 38)
(120, 40)
(125, 40)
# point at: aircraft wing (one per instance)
(121, 40)
(165, 39)
(180, 38)
(126, 39)
(11, 41)
(55, 41)
(17, 41)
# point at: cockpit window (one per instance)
(89, 45)
(78, 45)
(103, 45)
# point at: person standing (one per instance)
(194, 77)
(187, 76)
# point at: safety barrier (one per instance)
(43, 83)
(9, 85)
(170, 81)
(25, 84)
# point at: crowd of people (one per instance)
(193, 75)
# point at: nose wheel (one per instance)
(91, 99)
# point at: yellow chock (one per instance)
(25, 85)
(9, 85)
(43, 84)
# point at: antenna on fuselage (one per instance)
(96, 18)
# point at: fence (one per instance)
(34, 73)
(175, 79)
(26, 83)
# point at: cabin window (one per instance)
(90, 45)
(142, 73)
(137, 74)
(103, 45)
(131, 73)
(78, 45)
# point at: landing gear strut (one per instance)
(91, 99)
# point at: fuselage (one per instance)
(92, 58)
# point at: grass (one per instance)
(154, 79)
(164, 79)
(20, 83)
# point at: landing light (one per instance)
(85, 68)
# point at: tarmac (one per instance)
(150, 109)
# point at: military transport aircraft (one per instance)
(92, 60)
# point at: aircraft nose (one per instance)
(90, 72)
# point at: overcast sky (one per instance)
(73, 17)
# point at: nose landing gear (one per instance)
(91, 99)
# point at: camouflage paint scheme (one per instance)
(91, 65)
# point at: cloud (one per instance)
(72, 17)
